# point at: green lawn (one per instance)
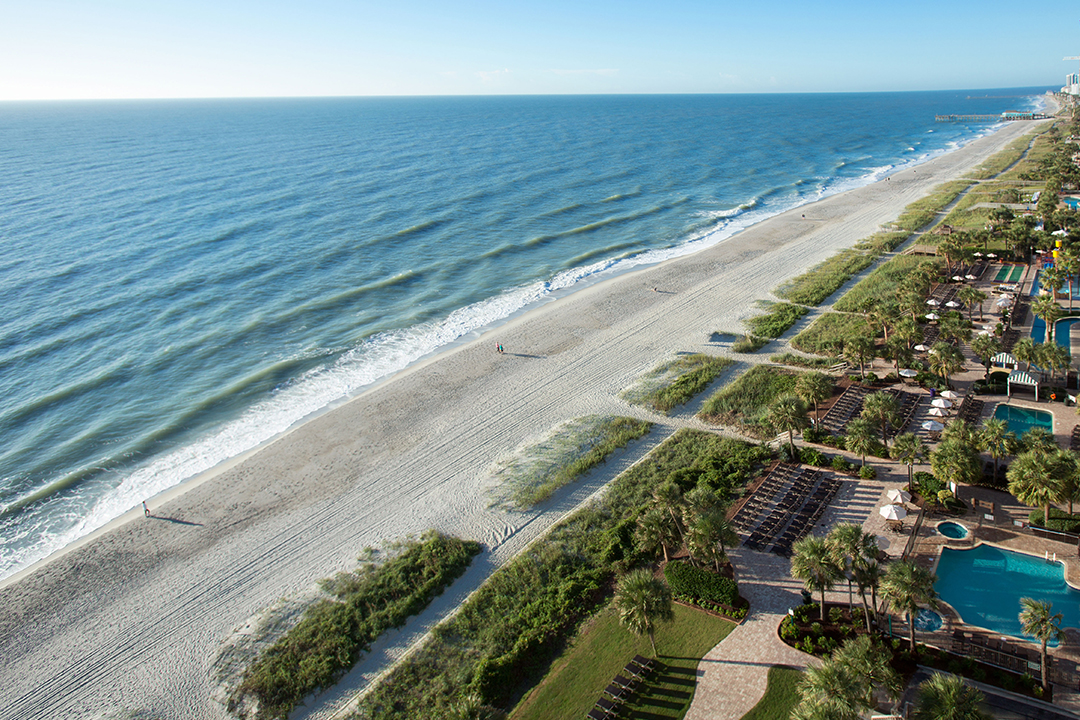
(780, 696)
(578, 677)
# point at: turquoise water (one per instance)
(953, 530)
(985, 584)
(927, 621)
(184, 280)
(1021, 419)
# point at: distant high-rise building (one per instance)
(1072, 84)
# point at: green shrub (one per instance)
(749, 344)
(777, 320)
(927, 485)
(813, 456)
(814, 363)
(1059, 520)
(700, 584)
(815, 285)
(829, 331)
(867, 472)
(745, 402)
(836, 614)
(840, 463)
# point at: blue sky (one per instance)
(51, 49)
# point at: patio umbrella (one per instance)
(937, 412)
(951, 303)
(932, 301)
(985, 332)
(932, 426)
(893, 512)
(899, 496)
(1062, 233)
(942, 403)
(991, 255)
(978, 254)
(957, 278)
(970, 277)
(931, 316)
(932, 351)
(951, 395)
(908, 373)
(921, 348)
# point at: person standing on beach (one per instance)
(145, 509)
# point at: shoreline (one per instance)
(410, 452)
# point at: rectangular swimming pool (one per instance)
(1021, 419)
(984, 585)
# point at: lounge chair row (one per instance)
(621, 688)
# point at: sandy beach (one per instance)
(131, 620)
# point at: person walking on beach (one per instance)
(145, 509)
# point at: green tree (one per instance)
(849, 544)
(1037, 620)
(668, 497)
(860, 437)
(944, 696)
(883, 409)
(945, 360)
(1024, 351)
(985, 347)
(868, 577)
(973, 298)
(1038, 438)
(654, 532)
(788, 414)
(705, 538)
(898, 351)
(858, 350)
(909, 449)
(814, 387)
(1047, 308)
(996, 439)
(955, 461)
(954, 328)
(814, 564)
(872, 662)
(642, 601)
(907, 586)
(1032, 480)
(843, 686)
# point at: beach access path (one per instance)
(129, 622)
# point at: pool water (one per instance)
(953, 530)
(984, 585)
(927, 621)
(1021, 419)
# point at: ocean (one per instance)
(184, 280)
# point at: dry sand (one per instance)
(130, 621)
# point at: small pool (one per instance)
(1021, 419)
(927, 621)
(953, 530)
(984, 585)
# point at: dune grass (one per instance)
(578, 677)
(749, 344)
(882, 242)
(997, 162)
(814, 286)
(780, 696)
(537, 471)
(880, 283)
(822, 336)
(744, 402)
(676, 382)
(796, 360)
(776, 321)
(923, 211)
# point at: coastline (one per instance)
(410, 453)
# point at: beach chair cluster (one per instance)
(621, 688)
(785, 507)
(970, 410)
(1074, 441)
(850, 404)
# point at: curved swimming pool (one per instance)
(984, 585)
(953, 530)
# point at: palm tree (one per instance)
(1055, 357)
(1038, 438)
(944, 696)
(860, 437)
(812, 563)
(897, 350)
(907, 586)
(705, 538)
(872, 663)
(868, 577)
(668, 497)
(1067, 470)
(884, 409)
(972, 297)
(1036, 620)
(788, 414)
(814, 387)
(1032, 480)
(1047, 308)
(720, 527)
(909, 449)
(1024, 351)
(641, 601)
(986, 347)
(1070, 266)
(954, 328)
(859, 350)
(907, 330)
(654, 532)
(945, 360)
(956, 461)
(848, 544)
(996, 439)
(829, 691)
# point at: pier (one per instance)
(1003, 117)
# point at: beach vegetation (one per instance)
(601, 650)
(677, 382)
(643, 600)
(332, 634)
(1003, 159)
(745, 402)
(828, 334)
(815, 285)
(924, 211)
(883, 282)
(781, 695)
(536, 472)
(804, 361)
(749, 344)
(777, 320)
(882, 242)
(504, 637)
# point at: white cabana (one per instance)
(1020, 377)
(1004, 360)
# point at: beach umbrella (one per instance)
(932, 351)
(940, 402)
(970, 277)
(952, 303)
(951, 395)
(985, 332)
(978, 254)
(931, 316)
(899, 496)
(1004, 302)
(893, 512)
(932, 301)
(937, 412)
(957, 278)
(991, 255)
(932, 426)
(908, 373)
(921, 348)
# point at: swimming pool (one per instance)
(1009, 273)
(953, 530)
(1021, 419)
(985, 584)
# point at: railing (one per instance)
(914, 534)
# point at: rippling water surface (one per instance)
(182, 280)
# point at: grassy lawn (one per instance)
(578, 677)
(780, 696)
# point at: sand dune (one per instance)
(133, 617)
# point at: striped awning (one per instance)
(1003, 358)
(1021, 377)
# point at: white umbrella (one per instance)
(957, 278)
(932, 301)
(933, 426)
(941, 403)
(952, 304)
(921, 348)
(932, 351)
(985, 332)
(1062, 233)
(937, 412)
(951, 395)
(899, 496)
(893, 512)
(1004, 302)
(978, 254)
(991, 255)
(970, 277)
(908, 373)
(931, 316)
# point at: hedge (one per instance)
(700, 584)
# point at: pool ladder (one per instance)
(1048, 558)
